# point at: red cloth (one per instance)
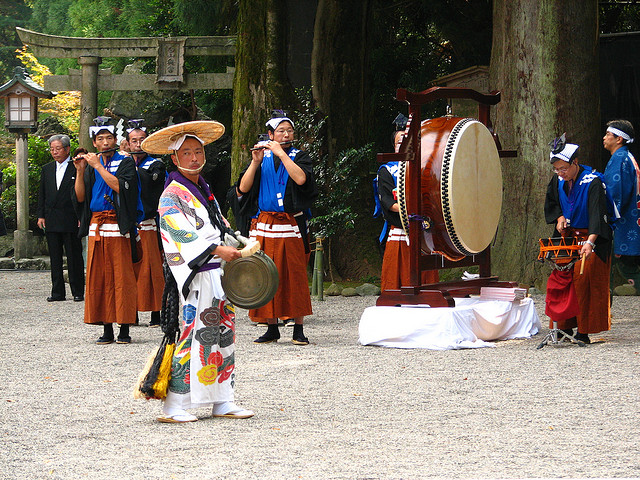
(562, 301)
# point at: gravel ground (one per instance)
(331, 410)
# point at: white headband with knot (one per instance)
(176, 144)
(93, 130)
(566, 154)
(274, 122)
(619, 133)
(129, 130)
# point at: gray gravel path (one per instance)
(331, 410)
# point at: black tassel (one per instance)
(169, 322)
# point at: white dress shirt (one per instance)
(61, 168)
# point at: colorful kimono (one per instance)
(203, 363)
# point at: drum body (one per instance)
(560, 252)
(461, 187)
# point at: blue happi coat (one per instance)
(622, 184)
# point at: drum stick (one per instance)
(249, 246)
(250, 249)
(582, 264)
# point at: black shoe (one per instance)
(55, 299)
(582, 337)
(78, 298)
(123, 340)
(300, 340)
(155, 319)
(271, 335)
(298, 336)
(104, 340)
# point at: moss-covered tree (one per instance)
(545, 62)
(260, 83)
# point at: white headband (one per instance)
(620, 133)
(93, 131)
(274, 122)
(176, 144)
(129, 130)
(566, 154)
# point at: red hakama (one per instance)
(110, 295)
(150, 275)
(280, 239)
(396, 261)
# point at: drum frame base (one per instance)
(556, 336)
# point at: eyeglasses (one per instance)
(562, 170)
(57, 149)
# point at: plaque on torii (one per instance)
(169, 53)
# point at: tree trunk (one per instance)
(260, 83)
(339, 73)
(340, 85)
(544, 61)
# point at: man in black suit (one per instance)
(58, 219)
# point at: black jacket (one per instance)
(55, 205)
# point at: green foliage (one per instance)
(51, 16)
(415, 42)
(341, 182)
(339, 205)
(205, 17)
(309, 126)
(216, 104)
(96, 18)
(9, 175)
(14, 13)
(8, 205)
(615, 17)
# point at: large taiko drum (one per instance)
(461, 183)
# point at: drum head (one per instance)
(461, 187)
(471, 189)
(250, 282)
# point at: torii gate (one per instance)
(168, 51)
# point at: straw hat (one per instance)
(163, 142)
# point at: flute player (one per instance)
(106, 196)
(278, 189)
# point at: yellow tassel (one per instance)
(164, 375)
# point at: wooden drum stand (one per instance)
(438, 294)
